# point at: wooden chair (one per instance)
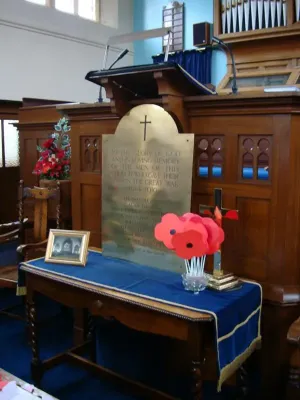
(13, 250)
(293, 337)
(11, 235)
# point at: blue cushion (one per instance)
(8, 253)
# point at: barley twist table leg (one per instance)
(197, 382)
(36, 365)
(91, 336)
(196, 354)
(243, 383)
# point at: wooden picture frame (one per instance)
(67, 247)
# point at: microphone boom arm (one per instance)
(123, 54)
(220, 42)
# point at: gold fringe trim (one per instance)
(261, 301)
(21, 291)
(240, 325)
(231, 368)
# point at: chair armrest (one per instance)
(12, 226)
(293, 335)
(8, 237)
(27, 251)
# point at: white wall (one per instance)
(46, 53)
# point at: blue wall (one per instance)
(148, 15)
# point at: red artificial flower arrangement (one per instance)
(55, 154)
(189, 235)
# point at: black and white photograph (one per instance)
(67, 247)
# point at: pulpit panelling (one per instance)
(248, 153)
(88, 123)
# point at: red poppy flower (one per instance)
(215, 235)
(192, 217)
(189, 244)
(196, 226)
(170, 225)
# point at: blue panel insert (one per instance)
(263, 174)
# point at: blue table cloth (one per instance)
(237, 313)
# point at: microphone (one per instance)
(120, 56)
(220, 42)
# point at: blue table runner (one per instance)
(237, 313)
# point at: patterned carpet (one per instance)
(145, 355)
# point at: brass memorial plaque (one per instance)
(147, 172)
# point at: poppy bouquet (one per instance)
(191, 237)
(55, 154)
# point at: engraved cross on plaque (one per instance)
(218, 211)
(145, 122)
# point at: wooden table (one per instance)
(135, 312)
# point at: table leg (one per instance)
(242, 383)
(78, 327)
(91, 336)
(196, 354)
(36, 364)
(248, 378)
(28, 334)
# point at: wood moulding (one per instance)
(9, 109)
(243, 104)
(85, 112)
(261, 34)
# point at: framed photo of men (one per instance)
(67, 247)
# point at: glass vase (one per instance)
(194, 283)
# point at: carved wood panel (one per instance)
(86, 139)
(91, 211)
(209, 157)
(90, 159)
(255, 159)
(253, 223)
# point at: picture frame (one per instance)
(67, 247)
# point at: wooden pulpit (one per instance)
(166, 83)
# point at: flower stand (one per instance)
(65, 201)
